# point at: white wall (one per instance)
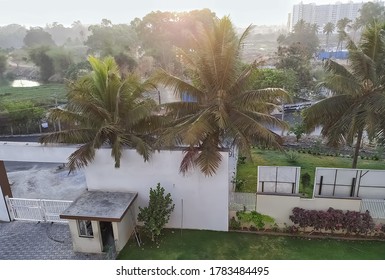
(278, 179)
(3, 208)
(204, 199)
(123, 230)
(34, 152)
(200, 202)
(280, 207)
(86, 244)
(367, 184)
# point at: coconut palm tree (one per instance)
(358, 102)
(328, 30)
(342, 26)
(221, 110)
(104, 109)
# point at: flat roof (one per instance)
(100, 206)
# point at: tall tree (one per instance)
(38, 37)
(222, 109)
(342, 26)
(371, 12)
(328, 30)
(305, 35)
(358, 100)
(104, 109)
(39, 56)
(107, 39)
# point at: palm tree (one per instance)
(104, 109)
(222, 110)
(342, 25)
(358, 100)
(328, 30)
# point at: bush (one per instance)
(292, 157)
(332, 219)
(305, 179)
(234, 224)
(254, 218)
(156, 215)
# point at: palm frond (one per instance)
(73, 136)
(81, 157)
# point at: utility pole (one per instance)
(58, 121)
(283, 112)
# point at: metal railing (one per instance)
(376, 207)
(41, 210)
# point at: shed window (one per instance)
(85, 228)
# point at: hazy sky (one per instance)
(242, 12)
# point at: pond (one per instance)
(25, 83)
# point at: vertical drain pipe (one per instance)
(181, 220)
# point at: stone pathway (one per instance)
(21, 240)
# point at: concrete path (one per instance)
(38, 241)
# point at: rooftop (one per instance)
(100, 206)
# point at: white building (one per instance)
(322, 14)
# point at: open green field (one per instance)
(307, 162)
(40, 95)
(212, 245)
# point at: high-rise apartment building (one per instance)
(322, 14)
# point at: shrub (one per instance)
(234, 224)
(332, 219)
(156, 215)
(292, 157)
(305, 179)
(254, 218)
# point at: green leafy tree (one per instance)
(297, 59)
(51, 61)
(371, 12)
(358, 100)
(39, 56)
(107, 39)
(38, 37)
(157, 214)
(298, 130)
(160, 32)
(104, 109)
(11, 36)
(305, 35)
(222, 108)
(275, 78)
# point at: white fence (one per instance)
(239, 201)
(278, 179)
(376, 207)
(344, 182)
(41, 210)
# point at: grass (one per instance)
(212, 245)
(40, 95)
(307, 162)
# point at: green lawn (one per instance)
(307, 162)
(40, 95)
(205, 245)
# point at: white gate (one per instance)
(376, 207)
(41, 210)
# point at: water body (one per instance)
(25, 83)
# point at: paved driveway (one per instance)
(38, 241)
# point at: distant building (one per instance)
(322, 14)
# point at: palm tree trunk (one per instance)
(357, 148)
